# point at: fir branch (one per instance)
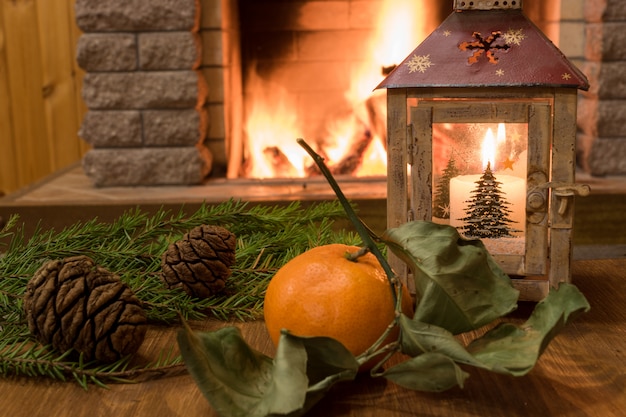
(131, 246)
(31, 359)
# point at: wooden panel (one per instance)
(80, 108)
(397, 187)
(470, 111)
(530, 93)
(422, 163)
(8, 163)
(58, 82)
(563, 170)
(41, 90)
(539, 139)
(25, 72)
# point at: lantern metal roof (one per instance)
(497, 47)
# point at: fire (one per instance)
(272, 128)
(352, 143)
(489, 149)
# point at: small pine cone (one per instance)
(73, 303)
(200, 262)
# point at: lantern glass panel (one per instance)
(479, 173)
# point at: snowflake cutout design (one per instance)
(500, 72)
(514, 37)
(445, 209)
(566, 76)
(419, 63)
(447, 33)
(487, 46)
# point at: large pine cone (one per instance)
(73, 303)
(200, 262)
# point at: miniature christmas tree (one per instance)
(441, 204)
(487, 213)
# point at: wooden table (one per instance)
(582, 373)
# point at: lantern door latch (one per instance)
(563, 191)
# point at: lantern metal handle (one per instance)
(564, 190)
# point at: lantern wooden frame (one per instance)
(415, 102)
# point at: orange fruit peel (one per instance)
(322, 293)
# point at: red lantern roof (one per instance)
(486, 48)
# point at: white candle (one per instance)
(513, 191)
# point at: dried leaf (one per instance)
(240, 381)
(515, 349)
(459, 285)
(430, 371)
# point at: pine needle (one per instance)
(131, 247)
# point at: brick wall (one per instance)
(164, 79)
(221, 67)
(145, 93)
(602, 111)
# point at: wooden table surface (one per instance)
(582, 373)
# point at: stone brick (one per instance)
(169, 51)
(607, 156)
(141, 90)
(107, 52)
(113, 128)
(605, 10)
(217, 128)
(333, 45)
(364, 14)
(571, 38)
(135, 15)
(606, 79)
(572, 10)
(218, 150)
(215, 79)
(147, 166)
(212, 50)
(602, 118)
(605, 41)
(171, 127)
(212, 12)
(584, 144)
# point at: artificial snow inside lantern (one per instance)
(481, 135)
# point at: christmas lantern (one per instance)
(481, 135)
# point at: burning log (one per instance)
(354, 156)
(369, 123)
(376, 106)
(279, 162)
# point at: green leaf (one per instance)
(232, 376)
(240, 381)
(515, 350)
(507, 348)
(418, 337)
(459, 285)
(430, 371)
(328, 362)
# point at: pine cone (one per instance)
(200, 262)
(73, 303)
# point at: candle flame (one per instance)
(489, 149)
(501, 135)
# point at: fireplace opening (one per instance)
(308, 69)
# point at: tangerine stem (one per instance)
(361, 229)
(354, 256)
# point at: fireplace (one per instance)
(250, 77)
(307, 69)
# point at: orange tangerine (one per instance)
(322, 293)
